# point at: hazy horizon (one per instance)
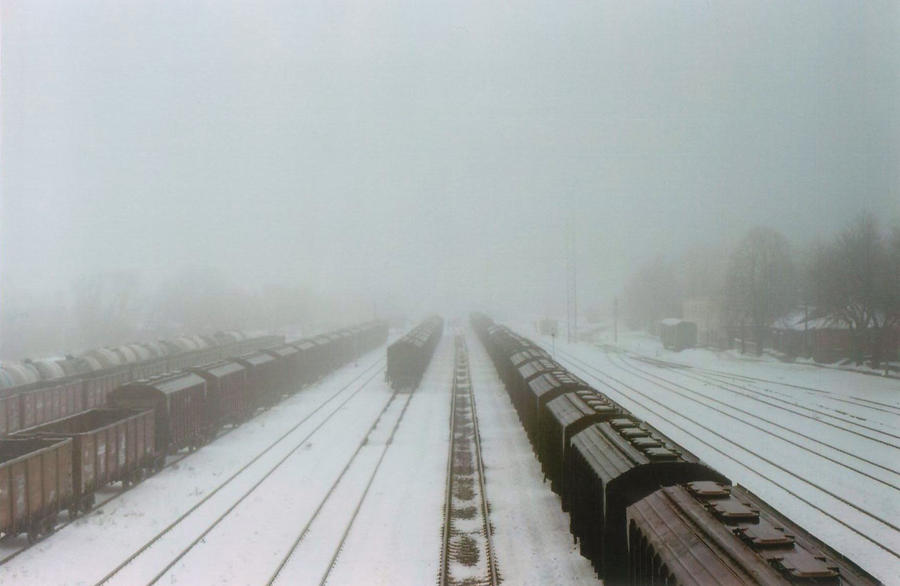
(427, 156)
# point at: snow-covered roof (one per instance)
(796, 320)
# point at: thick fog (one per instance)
(406, 157)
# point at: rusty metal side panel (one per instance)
(5, 416)
(41, 404)
(34, 488)
(78, 396)
(19, 483)
(150, 433)
(66, 488)
(139, 440)
(54, 403)
(29, 416)
(101, 472)
(107, 438)
(49, 462)
(88, 466)
(126, 437)
(6, 503)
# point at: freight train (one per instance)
(408, 357)
(643, 508)
(71, 437)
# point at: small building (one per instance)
(827, 340)
(677, 334)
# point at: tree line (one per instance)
(114, 307)
(850, 281)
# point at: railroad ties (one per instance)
(467, 555)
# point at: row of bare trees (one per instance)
(854, 280)
(851, 281)
(116, 307)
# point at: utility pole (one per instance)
(615, 320)
(571, 283)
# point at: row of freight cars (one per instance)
(643, 508)
(60, 465)
(72, 385)
(408, 357)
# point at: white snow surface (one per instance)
(337, 434)
(820, 445)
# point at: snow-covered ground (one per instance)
(94, 545)
(821, 445)
(346, 476)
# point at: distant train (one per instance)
(408, 357)
(51, 463)
(40, 391)
(644, 509)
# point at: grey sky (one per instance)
(432, 151)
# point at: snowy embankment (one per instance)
(821, 445)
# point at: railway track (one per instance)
(171, 461)
(467, 554)
(779, 401)
(287, 569)
(286, 436)
(892, 409)
(709, 402)
(617, 392)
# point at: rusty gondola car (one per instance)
(108, 445)
(35, 484)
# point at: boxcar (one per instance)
(262, 378)
(519, 389)
(179, 404)
(35, 484)
(108, 445)
(408, 357)
(541, 389)
(310, 366)
(560, 419)
(612, 465)
(708, 532)
(227, 394)
(288, 369)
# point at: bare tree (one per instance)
(759, 285)
(856, 284)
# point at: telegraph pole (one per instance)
(571, 283)
(615, 320)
